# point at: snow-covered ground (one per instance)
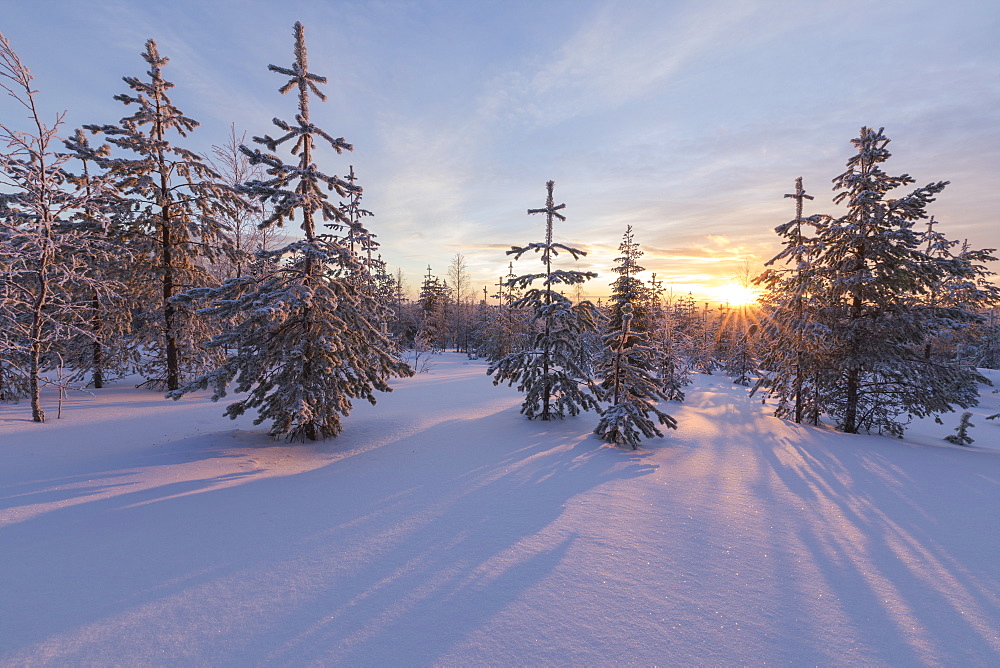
(444, 528)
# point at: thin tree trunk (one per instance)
(98, 362)
(798, 387)
(169, 331)
(548, 326)
(35, 336)
(173, 372)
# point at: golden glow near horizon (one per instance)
(735, 294)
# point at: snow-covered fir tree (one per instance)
(981, 341)
(647, 320)
(869, 319)
(374, 280)
(360, 240)
(179, 223)
(481, 318)
(790, 334)
(738, 329)
(404, 320)
(960, 343)
(627, 289)
(627, 367)
(550, 373)
(629, 386)
(311, 338)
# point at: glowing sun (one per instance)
(736, 295)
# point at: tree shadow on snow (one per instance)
(107, 472)
(887, 525)
(392, 555)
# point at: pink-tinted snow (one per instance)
(444, 528)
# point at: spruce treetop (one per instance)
(550, 211)
(630, 254)
(864, 186)
(298, 186)
(145, 134)
(155, 106)
(549, 250)
(301, 78)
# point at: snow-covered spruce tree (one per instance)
(43, 248)
(363, 243)
(738, 331)
(180, 211)
(790, 336)
(627, 364)
(375, 278)
(550, 373)
(704, 338)
(869, 275)
(310, 340)
(629, 386)
(627, 289)
(982, 341)
(646, 311)
(480, 319)
(403, 321)
(378, 284)
(489, 340)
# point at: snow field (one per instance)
(444, 528)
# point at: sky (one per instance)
(688, 120)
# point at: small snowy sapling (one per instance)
(961, 435)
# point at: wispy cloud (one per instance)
(628, 50)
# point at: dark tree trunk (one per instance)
(98, 362)
(169, 333)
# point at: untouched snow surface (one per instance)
(444, 528)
